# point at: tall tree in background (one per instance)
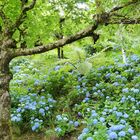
(60, 36)
(16, 16)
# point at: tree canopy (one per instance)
(39, 20)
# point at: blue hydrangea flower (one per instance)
(35, 126)
(79, 114)
(76, 123)
(116, 84)
(108, 75)
(95, 121)
(122, 121)
(136, 111)
(47, 108)
(87, 94)
(89, 138)
(107, 97)
(57, 68)
(125, 115)
(122, 134)
(117, 127)
(113, 135)
(104, 113)
(86, 99)
(85, 130)
(42, 97)
(16, 118)
(105, 110)
(125, 90)
(37, 82)
(65, 118)
(131, 131)
(41, 110)
(19, 110)
(78, 87)
(59, 117)
(102, 119)
(134, 137)
(98, 91)
(119, 114)
(70, 122)
(37, 120)
(132, 99)
(123, 99)
(94, 114)
(80, 137)
(114, 108)
(94, 88)
(135, 90)
(58, 129)
(50, 100)
(42, 103)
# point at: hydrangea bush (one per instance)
(103, 104)
(32, 109)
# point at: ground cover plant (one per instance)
(103, 104)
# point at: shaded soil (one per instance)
(33, 136)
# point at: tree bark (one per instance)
(58, 53)
(62, 53)
(5, 100)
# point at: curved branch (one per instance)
(123, 6)
(60, 43)
(105, 17)
(31, 6)
(126, 21)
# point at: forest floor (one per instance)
(35, 136)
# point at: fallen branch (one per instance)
(97, 54)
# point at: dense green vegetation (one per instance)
(53, 97)
(90, 94)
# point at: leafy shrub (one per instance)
(33, 110)
(105, 102)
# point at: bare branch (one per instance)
(99, 53)
(31, 6)
(105, 18)
(123, 6)
(60, 43)
(126, 21)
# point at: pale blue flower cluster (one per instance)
(33, 106)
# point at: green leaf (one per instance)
(84, 67)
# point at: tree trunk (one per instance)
(62, 53)
(59, 53)
(5, 101)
